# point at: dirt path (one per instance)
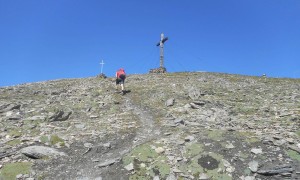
(147, 130)
(85, 162)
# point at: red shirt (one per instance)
(120, 72)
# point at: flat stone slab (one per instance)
(38, 152)
(108, 163)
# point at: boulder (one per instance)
(60, 116)
(38, 152)
(170, 102)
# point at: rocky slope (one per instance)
(167, 126)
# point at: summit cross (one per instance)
(161, 45)
(102, 63)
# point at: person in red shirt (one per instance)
(120, 78)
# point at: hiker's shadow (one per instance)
(126, 91)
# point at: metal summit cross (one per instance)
(161, 68)
(161, 45)
(101, 75)
(102, 63)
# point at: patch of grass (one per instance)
(15, 133)
(114, 110)
(32, 122)
(54, 139)
(153, 161)
(215, 135)
(162, 167)
(44, 139)
(298, 133)
(245, 110)
(41, 177)
(243, 155)
(142, 153)
(248, 136)
(194, 149)
(293, 154)
(252, 140)
(34, 132)
(10, 171)
(14, 142)
(247, 171)
(195, 168)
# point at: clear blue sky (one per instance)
(46, 39)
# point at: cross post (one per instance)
(161, 45)
(102, 63)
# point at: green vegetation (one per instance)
(193, 150)
(44, 139)
(15, 133)
(54, 139)
(196, 169)
(9, 171)
(143, 153)
(145, 161)
(248, 136)
(245, 110)
(14, 142)
(293, 154)
(298, 133)
(216, 135)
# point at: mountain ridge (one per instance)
(189, 125)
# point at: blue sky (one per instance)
(46, 40)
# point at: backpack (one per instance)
(121, 72)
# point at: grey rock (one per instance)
(107, 163)
(34, 118)
(194, 93)
(249, 178)
(80, 126)
(82, 178)
(171, 176)
(129, 167)
(256, 151)
(187, 106)
(3, 107)
(199, 103)
(189, 138)
(294, 148)
(167, 133)
(180, 142)
(107, 145)
(178, 121)
(253, 166)
(29, 178)
(203, 176)
(188, 123)
(279, 142)
(15, 117)
(276, 170)
(156, 178)
(88, 145)
(194, 106)
(159, 150)
(229, 146)
(94, 116)
(38, 152)
(19, 176)
(170, 102)
(9, 107)
(60, 116)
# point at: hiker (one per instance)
(120, 78)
